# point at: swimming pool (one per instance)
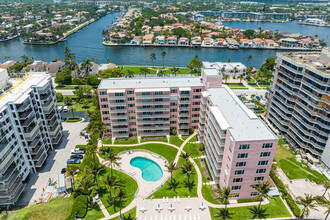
(151, 171)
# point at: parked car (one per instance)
(73, 161)
(258, 97)
(63, 171)
(65, 108)
(76, 156)
(78, 151)
(60, 108)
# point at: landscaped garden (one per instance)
(275, 209)
(286, 160)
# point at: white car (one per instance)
(78, 151)
(60, 108)
(65, 109)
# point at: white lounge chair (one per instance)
(167, 199)
(198, 216)
(164, 200)
(187, 208)
(195, 217)
(161, 217)
(156, 217)
(202, 207)
(171, 208)
(150, 218)
(142, 209)
(174, 199)
(178, 199)
(158, 208)
(190, 217)
(185, 217)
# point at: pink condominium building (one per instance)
(239, 147)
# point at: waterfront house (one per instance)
(208, 41)
(289, 42)
(146, 29)
(233, 69)
(269, 43)
(54, 67)
(211, 34)
(309, 42)
(219, 42)
(232, 42)
(38, 66)
(147, 39)
(183, 41)
(136, 40)
(157, 29)
(160, 40)
(116, 38)
(258, 43)
(172, 40)
(245, 43)
(196, 41)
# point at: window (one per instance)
(119, 94)
(239, 172)
(196, 97)
(245, 155)
(240, 164)
(131, 111)
(158, 93)
(106, 118)
(130, 92)
(104, 99)
(145, 93)
(174, 104)
(261, 171)
(131, 105)
(263, 162)
(132, 129)
(194, 121)
(267, 145)
(105, 112)
(197, 90)
(254, 194)
(131, 117)
(174, 91)
(259, 178)
(196, 103)
(173, 122)
(195, 109)
(130, 99)
(195, 115)
(132, 123)
(103, 93)
(244, 146)
(229, 158)
(104, 106)
(264, 154)
(174, 110)
(237, 180)
(235, 187)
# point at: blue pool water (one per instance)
(151, 171)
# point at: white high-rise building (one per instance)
(29, 127)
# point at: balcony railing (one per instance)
(118, 110)
(117, 97)
(120, 134)
(45, 96)
(117, 104)
(154, 122)
(23, 106)
(182, 115)
(153, 109)
(57, 139)
(119, 117)
(8, 172)
(36, 149)
(41, 160)
(119, 129)
(119, 123)
(146, 134)
(153, 128)
(154, 116)
(151, 96)
(152, 103)
(184, 108)
(25, 114)
(28, 121)
(9, 200)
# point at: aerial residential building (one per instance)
(239, 146)
(257, 42)
(160, 40)
(196, 41)
(289, 42)
(208, 41)
(183, 41)
(245, 43)
(298, 106)
(30, 125)
(172, 40)
(147, 39)
(233, 69)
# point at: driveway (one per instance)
(54, 163)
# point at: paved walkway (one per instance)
(147, 207)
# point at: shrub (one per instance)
(78, 208)
(73, 119)
(59, 97)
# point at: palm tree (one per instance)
(111, 156)
(224, 197)
(263, 188)
(249, 58)
(326, 185)
(235, 70)
(226, 77)
(326, 203)
(153, 58)
(185, 156)
(72, 109)
(108, 60)
(111, 182)
(171, 167)
(229, 60)
(187, 169)
(308, 203)
(175, 71)
(240, 77)
(121, 196)
(144, 71)
(7, 57)
(161, 73)
(85, 185)
(86, 65)
(71, 172)
(94, 170)
(163, 54)
(129, 74)
(91, 151)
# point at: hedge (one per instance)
(73, 119)
(78, 208)
(288, 198)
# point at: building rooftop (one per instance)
(122, 83)
(243, 123)
(226, 65)
(317, 60)
(21, 86)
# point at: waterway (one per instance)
(86, 43)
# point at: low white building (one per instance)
(3, 78)
(233, 69)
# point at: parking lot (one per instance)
(54, 163)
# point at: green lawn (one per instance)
(230, 85)
(82, 108)
(179, 179)
(275, 209)
(292, 168)
(164, 150)
(131, 214)
(238, 88)
(208, 194)
(55, 209)
(159, 140)
(153, 70)
(107, 141)
(192, 149)
(198, 162)
(136, 69)
(130, 186)
(94, 214)
(130, 141)
(176, 141)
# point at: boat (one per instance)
(314, 22)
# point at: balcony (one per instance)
(34, 142)
(28, 121)
(50, 116)
(41, 160)
(153, 127)
(25, 114)
(117, 97)
(152, 96)
(8, 172)
(183, 115)
(119, 129)
(146, 134)
(184, 108)
(57, 139)
(119, 123)
(54, 132)
(154, 116)
(3, 143)
(37, 156)
(9, 200)
(49, 108)
(184, 120)
(153, 122)
(47, 103)
(152, 109)
(118, 117)
(116, 135)
(152, 103)
(184, 95)
(54, 127)
(31, 132)
(184, 101)
(36, 149)
(184, 126)
(45, 96)
(52, 122)
(10, 182)
(118, 110)
(23, 106)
